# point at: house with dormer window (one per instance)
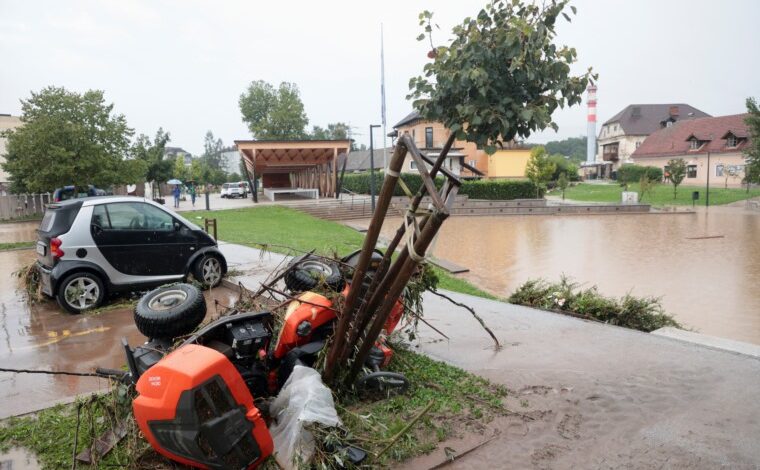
(721, 140)
(624, 132)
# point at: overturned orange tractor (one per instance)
(204, 403)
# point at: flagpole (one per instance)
(382, 94)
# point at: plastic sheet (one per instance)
(303, 400)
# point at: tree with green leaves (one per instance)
(502, 76)
(335, 131)
(159, 168)
(180, 170)
(573, 147)
(212, 151)
(563, 183)
(539, 169)
(69, 138)
(646, 186)
(273, 113)
(752, 151)
(676, 172)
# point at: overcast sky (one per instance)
(183, 64)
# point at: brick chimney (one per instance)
(674, 111)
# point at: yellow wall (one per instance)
(473, 156)
(508, 163)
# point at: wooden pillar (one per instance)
(335, 172)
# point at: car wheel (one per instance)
(310, 272)
(170, 311)
(208, 271)
(80, 291)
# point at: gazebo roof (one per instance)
(285, 156)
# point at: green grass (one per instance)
(661, 195)
(16, 246)
(279, 227)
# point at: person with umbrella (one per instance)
(175, 191)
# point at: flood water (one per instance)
(43, 337)
(710, 285)
(18, 232)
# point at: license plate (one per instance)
(40, 249)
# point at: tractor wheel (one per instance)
(382, 384)
(170, 311)
(305, 274)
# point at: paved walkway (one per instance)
(598, 396)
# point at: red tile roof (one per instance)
(674, 140)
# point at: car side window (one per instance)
(138, 216)
(100, 217)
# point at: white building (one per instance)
(231, 161)
(624, 132)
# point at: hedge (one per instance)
(480, 189)
(630, 173)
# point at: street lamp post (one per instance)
(372, 165)
(707, 189)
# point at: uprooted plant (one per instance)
(565, 296)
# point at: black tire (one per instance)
(305, 274)
(203, 268)
(382, 384)
(80, 291)
(170, 311)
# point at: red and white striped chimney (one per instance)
(591, 131)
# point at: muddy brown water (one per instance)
(709, 284)
(18, 232)
(43, 337)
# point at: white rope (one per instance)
(412, 231)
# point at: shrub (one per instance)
(360, 182)
(498, 189)
(480, 189)
(630, 173)
(639, 313)
(563, 165)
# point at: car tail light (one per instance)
(55, 247)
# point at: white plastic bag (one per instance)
(303, 400)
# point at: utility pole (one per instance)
(372, 165)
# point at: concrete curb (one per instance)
(710, 342)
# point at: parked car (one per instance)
(239, 189)
(73, 192)
(88, 248)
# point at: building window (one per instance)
(414, 134)
(691, 171)
(413, 165)
(719, 170)
(668, 123)
(638, 144)
(694, 144)
(428, 137)
(731, 141)
(472, 163)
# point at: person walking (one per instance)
(191, 190)
(176, 193)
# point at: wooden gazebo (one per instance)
(292, 166)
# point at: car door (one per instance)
(139, 239)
